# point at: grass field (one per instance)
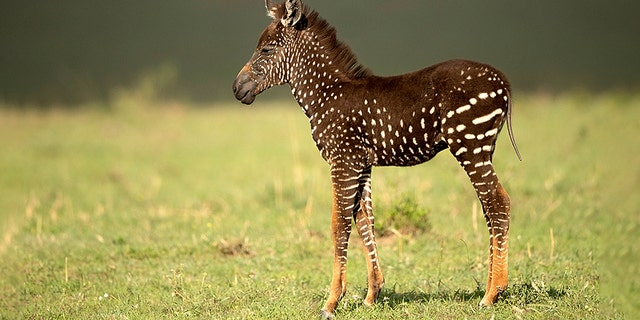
(145, 211)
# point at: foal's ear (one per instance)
(272, 8)
(293, 12)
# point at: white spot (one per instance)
(487, 117)
(461, 127)
(491, 132)
(461, 151)
(463, 108)
(469, 136)
(484, 175)
(450, 114)
(499, 91)
(473, 101)
(483, 95)
(492, 94)
(477, 150)
(482, 164)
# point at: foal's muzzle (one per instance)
(244, 87)
(246, 83)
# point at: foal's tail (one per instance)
(513, 140)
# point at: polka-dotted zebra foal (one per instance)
(359, 120)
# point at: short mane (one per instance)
(344, 58)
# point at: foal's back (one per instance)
(407, 119)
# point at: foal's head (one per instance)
(269, 64)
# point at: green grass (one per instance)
(138, 211)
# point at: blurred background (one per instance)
(159, 186)
(71, 52)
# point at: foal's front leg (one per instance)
(345, 197)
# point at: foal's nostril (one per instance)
(235, 87)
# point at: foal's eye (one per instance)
(268, 49)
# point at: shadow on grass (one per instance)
(394, 298)
(532, 292)
(517, 294)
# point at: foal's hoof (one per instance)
(326, 315)
(491, 296)
(487, 301)
(372, 296)
(484, 304)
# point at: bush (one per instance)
(403, 215)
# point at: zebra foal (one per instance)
(360, 120)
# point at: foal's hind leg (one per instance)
(497, 216)
(496, 206)
(363, 216)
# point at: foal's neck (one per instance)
(320, 66)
